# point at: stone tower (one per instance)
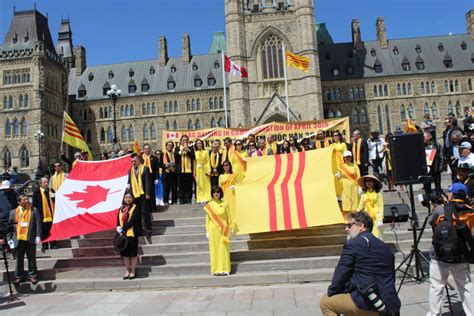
(257, 31)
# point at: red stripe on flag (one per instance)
(285, 193)
(101, 170)
(73, 134)
(299, 190)
(72, 126)
(83, 224)
(271, 194)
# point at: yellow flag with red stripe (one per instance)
(136, 147)
(410, 126)
(287, 191)
(72, 136)
(297, 61)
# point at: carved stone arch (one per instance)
(275, 117)
(267, 31)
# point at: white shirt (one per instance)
(469, 160)
(375, 145)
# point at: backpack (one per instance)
(445, 238)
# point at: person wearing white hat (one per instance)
(8, 199)
(466, 156)
(349, 174)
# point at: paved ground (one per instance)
(289, 299)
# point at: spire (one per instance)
(64, 47)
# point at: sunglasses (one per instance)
(349, 225)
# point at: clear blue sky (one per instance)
(126, 30)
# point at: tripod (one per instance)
(5, 262)
(415, 254)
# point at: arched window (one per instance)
(409, 88)
(385, 90)
(351, 93)
(144, 109)
(357, 93)
(426, 109)
(90, 114)
(175, 125)
(88, 135)
(271, 57)
(21, 100)
(153, 108)
(101, 113)
(165, 107)
(190, 124)
(132, 110)
(422, 87)
(355, 116)
(146, 133)
(387, 118)
(428, 87)
(153, 131)
(362, 116)
(446, 86)
(433, 87)
(404, 88)
(127, 110)
(176, 109)
(148, 109)
(403, 113)
(167, 125)
(456, 85)
(131, 133)
(411, 111)
(399, 89)
(469, 84)
(106, 112)
(216, 103)
(197, 125)
(193, 105)
(10, 102)
(110, 135)
(102, 135)
(458, 108)
(5, 102)
(376, 94)
(434, 111)
(122, 111)
(213, 123)
(23, 127)
(84, 116)
(450, 108)
(380, 91)
(331, 114)
(379, 119)
(221, 122)
(7, 157)
(111, 113)
(188, 105)
(338, 113)
(211, 104)
(24, 157)
(198, 104)
(16, 128)
(221, 103)
(8, 128)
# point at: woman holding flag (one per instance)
(340, 147)
(218, 225)
(371, 201)
(227, 182)
(349, 174)
(202, 172)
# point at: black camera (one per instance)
(5, 228)
(370, 292)
(434, 197)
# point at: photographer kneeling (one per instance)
(364, 279)
(447, 253)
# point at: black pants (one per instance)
(377, 165)
(185, 187)
(364, 170)
(45, 229)
(214, 181)
(170, 186)
(436, 178)
(145, 213)
(25, 247)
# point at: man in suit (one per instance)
(360, 152)
(170, 184)
(271, 148)
(366, 261)
(184, 158)
(151, 162)
(141, 184)
(25, 236)
(43, 201)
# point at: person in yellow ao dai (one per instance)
(371, 201)
(218, 220)
(202, 173)
(349, 174)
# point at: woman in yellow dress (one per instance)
(202, 173)
(371, 201)
(227, 182)
(349, 174)
(239, 161)
(339, 148)
(218, 221)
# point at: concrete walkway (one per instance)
(288, 299)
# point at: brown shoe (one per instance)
(34, 280)
(17, 281)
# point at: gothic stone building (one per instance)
(378, 84)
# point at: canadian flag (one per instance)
(171, 135)
(234, 69)
(89, 198)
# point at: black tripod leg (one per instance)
(5, 262)
(449, 299)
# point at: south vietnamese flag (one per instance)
(89, 198)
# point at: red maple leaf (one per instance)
(93, 195)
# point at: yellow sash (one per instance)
(356, 154)
(318, 144)
(223, 227)
(370, 200)
(185, 161)
(228, 182)
(137, 186)
(147, 161)
(214, 158)
(167, 158)
(58, 180)
(274, 149)
(48, 212)
(227, 153)
(240, 159)
(130, 214)
(348, 174)
(22, 217)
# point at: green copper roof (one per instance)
(218, 43)
(322, 34)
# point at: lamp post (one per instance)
(114, 94)
(39, 136)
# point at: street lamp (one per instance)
(39, 136)
(114, 94)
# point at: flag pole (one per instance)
(223, 87)
(61, 148)
(286, 84)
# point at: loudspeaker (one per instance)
(408, 157)
(397, 213)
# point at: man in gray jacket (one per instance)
(24, 238)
